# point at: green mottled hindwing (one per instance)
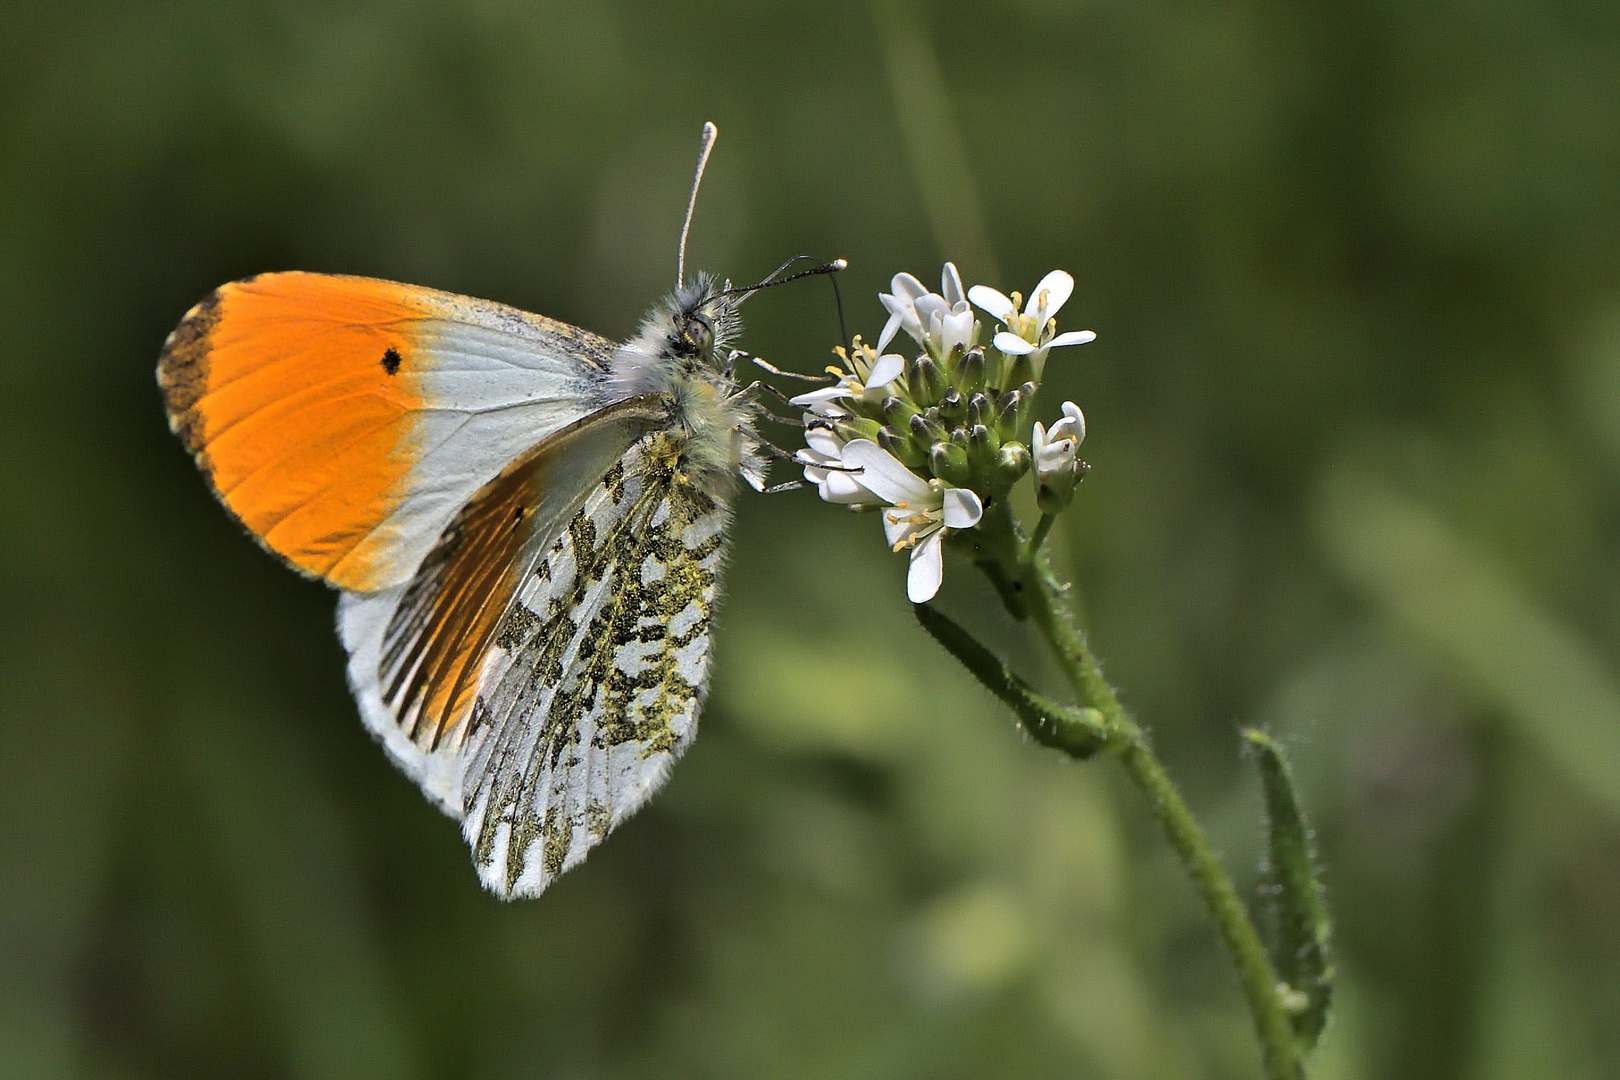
(598, 672)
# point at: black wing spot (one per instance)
(391, 361)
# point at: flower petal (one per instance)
(818, 440)
(992, 301)
(956, 330)
(885, 477)
(1058, 287)
(885, 370)
(907, 287)
(931, 305)
(897, 526)
(890, 328)
(1012, 344)
(1072, 337)
(927, 568)
(817, 397)
(1037, 438)
(841, 487)
(950, 284)
(962, 508)
(1072, 412)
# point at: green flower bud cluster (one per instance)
(941, 418)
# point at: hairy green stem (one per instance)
(1047, 603)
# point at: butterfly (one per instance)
(525, 522)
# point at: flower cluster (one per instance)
(935, 437)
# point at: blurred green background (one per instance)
(1355, 413)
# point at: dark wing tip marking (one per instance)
(182, 373)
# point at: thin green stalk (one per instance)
(1046, 600)
(1042, 527)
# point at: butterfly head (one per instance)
(684, 338)
(699, 323)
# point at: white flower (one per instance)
(867, 381)
(1031, 332)
(937, 322)
(1054, 450)
(823, 448)
(1056, 470)
(919, 513)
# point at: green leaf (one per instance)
(1078, 732)
(1302, 952)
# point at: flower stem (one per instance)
(1042, 527)
(1047, 604)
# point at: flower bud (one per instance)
(897, 412)
(1012, 462)
(926, 380)
(1007, 408)
(1026, 403)
(953, 407)
(949, 462)
(970, 372)
(926, 427)
(857, 427)
(907, 451)
(980, 410)
(982, 445)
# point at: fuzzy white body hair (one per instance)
(665, 357)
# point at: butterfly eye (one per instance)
(699, 333)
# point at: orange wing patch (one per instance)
(295, 392)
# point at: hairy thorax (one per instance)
(717, 431)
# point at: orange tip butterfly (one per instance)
(525, 522)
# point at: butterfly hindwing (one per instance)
(606, 657)
(418, 652)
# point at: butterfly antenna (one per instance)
(838, 301)
(775, 277)
(705, 144)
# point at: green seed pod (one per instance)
(1012, 462)
(949, 462)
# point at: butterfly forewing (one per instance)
(604, 660)
(344, 420)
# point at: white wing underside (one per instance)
(500, 380)
(592, 687)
